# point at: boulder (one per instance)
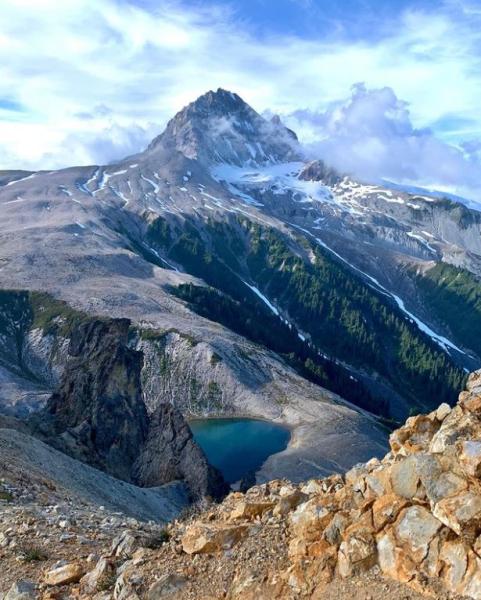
(128, 542)
(470, 457)
(250, 509)
(460, 512)
(414, 530)
(209, 539)
(358, 551)
(22, 590)
(289, 499)
(69, 573)
(415, 435)
(386, 509)
(101, 577)
(455, 558)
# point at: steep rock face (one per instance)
(99, 417)
(317, 170)
(170, 453)
(98, 410)
(220, 127)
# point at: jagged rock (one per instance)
(473, 385)
(358, 550)
(171, 453)
(415, 528)
(209, 539)
(386, 509)
(415, 436)
(126, 592)
(289, 499)
(124, 588)
(459, 512)
(416, 514)
(470, 457)
(248, 481)
(442, 411)
(129, 542)
(221, 124)
(103, 572)
(455, 557)
(69, 573)
(317, 170)
(405, 478)
(22, 590)
(250, 509)
(98, 416)
(470, 586)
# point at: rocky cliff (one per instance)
(98, 416)
(170, 454)
(205, 371)
(97, 413)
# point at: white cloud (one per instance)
(371, 136)
(63, 60)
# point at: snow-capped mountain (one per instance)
(262, 283)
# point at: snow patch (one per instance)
(152, 183)
(437, 338)
(22, 179)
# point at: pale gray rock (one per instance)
(167, 586)
(22, 590)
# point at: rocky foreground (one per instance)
(413, 517)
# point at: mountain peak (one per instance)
(220, 99)
(220, 127)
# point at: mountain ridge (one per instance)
(117, 240)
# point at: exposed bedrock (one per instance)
(98, 416)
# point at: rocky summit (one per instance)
(403, 526)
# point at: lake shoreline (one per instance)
(240, 417)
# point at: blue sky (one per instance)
(88, 81)
(356, 19)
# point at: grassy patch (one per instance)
(33, 554)
(6, 496)
(54, 316)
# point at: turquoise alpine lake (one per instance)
(238, 447)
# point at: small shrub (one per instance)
(6, 496)
(33, 554)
